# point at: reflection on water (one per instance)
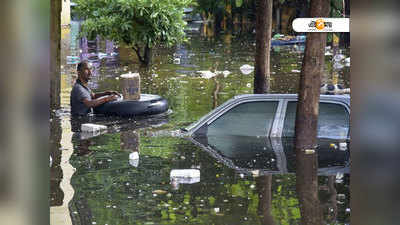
(123, 175)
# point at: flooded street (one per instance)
(124, 175)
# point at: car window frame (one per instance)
(243, 101)
(285, 104)
(277, 127)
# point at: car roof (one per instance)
(345, 99)
(341, 98)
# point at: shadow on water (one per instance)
(122, 176)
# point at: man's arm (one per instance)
(98, 101)
(101, 94)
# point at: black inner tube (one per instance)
(148, 104)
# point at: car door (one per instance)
(248, 120)
(333, 120)
(333, 130)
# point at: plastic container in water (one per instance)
(184, 176)
(185, 173)
(92, 128)
(134, 159)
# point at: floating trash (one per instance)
(338, 66)
(206, 74)
(309, 151)
(160, 192)
(255, 173)
(246, 69)
(296, 71)
(134, 159)
(343, 146)
(92, 128)
(184, 176)
(226, 73)
(338, 57)
(177, 61)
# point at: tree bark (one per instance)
(263, 184)
(310, 80)
(146, 58)
(55, 51)
(307, 188)
(307, 119)
(263, 45)
(147, 55)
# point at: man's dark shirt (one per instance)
(78, 94)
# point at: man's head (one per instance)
(83, 70)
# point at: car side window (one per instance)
(246, 119)
(333, 121)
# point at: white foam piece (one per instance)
(206, 74)
(90, 127)
(185, 173)
(246, 69)
(129, 75)
(87, 135)
(134, 155)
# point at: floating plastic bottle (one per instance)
(134, 159)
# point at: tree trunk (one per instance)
(310, 80)
(148, 53)
(263, 45)
(146, 58)
(307, 188)
(263, 184)
(55, 51)
(278, 20)
(307, 118)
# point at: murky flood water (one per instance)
(123, 175)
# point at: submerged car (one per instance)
(256, 131)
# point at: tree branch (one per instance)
(136, 48)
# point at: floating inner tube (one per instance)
(147, 105)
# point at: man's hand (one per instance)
(112, 97)
(112, 93)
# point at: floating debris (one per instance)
(134, 159)
(206, 74)
(92, 128)
(246, 69)
(255, 173)
(309, 151)
(338, 57)
(343, 146)
(177, 61)
(160, 192)
(226, 73)
(184, 176)
(296, 71)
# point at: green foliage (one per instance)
(134, 22)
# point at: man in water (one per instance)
(82, 98)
